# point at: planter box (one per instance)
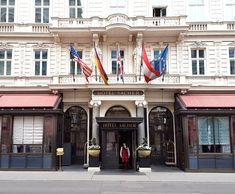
(144, 162)
(94, 161)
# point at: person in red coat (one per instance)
(125, 154)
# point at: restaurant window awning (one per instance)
(208, 100)
(33, 101)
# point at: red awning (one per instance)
(208, 100)
(28, 100)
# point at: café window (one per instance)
(214, 135)
(192, 134)
(6, 133)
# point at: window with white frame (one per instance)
(118, 6)
(42, 11)
(27, 134)
(41, 57)
(232, 60)
(229, 13)
(5, 62)
(198, 61)
(7, 9)
(75, 8)
(159, 11)
(196, 10)
(74, 65)
(114, 58)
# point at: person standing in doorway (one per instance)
(125, 155)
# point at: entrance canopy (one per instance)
(130, 123)
(208, 100)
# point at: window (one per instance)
(159, 12)
(214, 135)
(192, 134)
(40, 62)
(6, 134)
(75, 9)
(194, 8)
(229, 10)
(42, 11)
(232, 60)
(118, 6)
(7, 9)
(74, 65)
(27, 134)
(198, 61)
(5, 62)
(114, 58)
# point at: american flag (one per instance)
(86, 70)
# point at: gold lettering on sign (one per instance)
(119, 93)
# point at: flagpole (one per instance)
(141, 64)
(117, 69)
(96, 76)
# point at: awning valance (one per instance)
(29, 101)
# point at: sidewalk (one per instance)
(118, 175)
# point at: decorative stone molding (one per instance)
(141, 103)
(95, 103)
(41, 45)
(5, 45)
(198, 44)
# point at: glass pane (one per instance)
(3, 2)
(11, 15)
(11, 2)
(37, 54)
(79, 12)
(46, 2)
(80, 54)
(72, 67)
(45, 15)
(114, 67)
(44, 68)
(194, 67)
(79, 70)
(37, 2)
(2, 53)
(79, 3)
(156, 54)
(72, 12)
(37, 68)
(201, 53)
(193, 53)
(222, 136)
(38, 15)
(192, 134)
(44, 54)
(71, 2)
(6, 134)
(9, 54)
(1, 67)
(163, 12)
(3, 14)
(122, 53)
(232, 66)
(231, 53)
(48, 134)
(8, 68)
(201, 67)
(113, 54)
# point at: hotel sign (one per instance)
(118, 125)
(118, 93)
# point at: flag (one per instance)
(120, 64)
(96, 61)
(160, 63)
(86, 70)
(149, 72)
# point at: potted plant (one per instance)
(94, 149)
(144, 150)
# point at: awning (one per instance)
(29, 101)
(207, 100)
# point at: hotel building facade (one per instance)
(188, 117)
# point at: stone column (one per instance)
(95, 113)
(140, 113)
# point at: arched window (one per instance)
(117, 111)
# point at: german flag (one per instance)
(96, 61)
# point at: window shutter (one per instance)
(38, 130)
(18, 127)
(28, 130)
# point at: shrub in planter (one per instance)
(94, 149)
(144, 150)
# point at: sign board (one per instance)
(60, 151)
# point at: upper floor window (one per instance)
(74, 65)
(229, 13)
(159, 11)
(7, 9)
(198, 61)
(232, 60)
(42, 11)
(196, 10)
(118, 6)
(75, 9)
(114, 58)
(5, 62)
(40, 62)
